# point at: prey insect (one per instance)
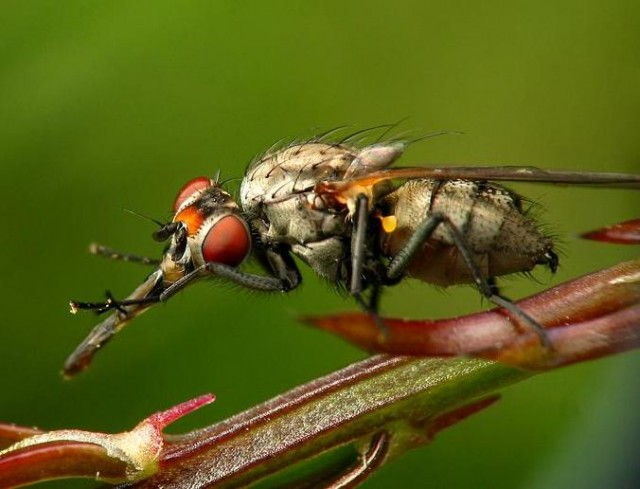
(352, 219)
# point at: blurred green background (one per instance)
(113, 105)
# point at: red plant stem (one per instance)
(588, 317)
(351, 404)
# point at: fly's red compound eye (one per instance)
(189, 188)
(228, 242)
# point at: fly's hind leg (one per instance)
(487, 286)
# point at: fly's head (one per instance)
(206, 227)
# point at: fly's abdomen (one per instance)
(489, 218)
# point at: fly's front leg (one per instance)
(282, 265)
(138, 302)
(252, 281)
(99, 250)
(277, 259)
(487, 287)
(287, 277)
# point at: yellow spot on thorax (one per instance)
(389, 223)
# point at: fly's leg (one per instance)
(282, 265)
(358, 256)
(109, 304)
(153, 291)
(285, 274)
(137, 303)
(252, 281)
(99, 250)
(487, 287)
(358, 241)
(261, 283)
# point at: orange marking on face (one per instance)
(191, 217)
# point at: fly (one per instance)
(351, 218)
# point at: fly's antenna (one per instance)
(216, 177)
(147, 218)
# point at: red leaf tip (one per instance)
(164, 418)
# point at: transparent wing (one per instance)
(504, 173)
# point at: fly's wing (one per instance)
(80, 359)
(504, 173)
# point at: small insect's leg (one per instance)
(289, 279)
(248, 280)
(401, 261)
(179, 284)
(99, 250)
(257, 282)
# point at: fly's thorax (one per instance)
(292, 170)
(300, 219)
(279, 198)
(299, 167)
(489, 218)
